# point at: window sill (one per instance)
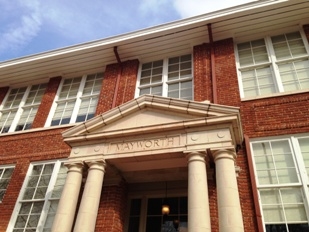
(38, 129)
(275, 95)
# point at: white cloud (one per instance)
(23, 28)
(188, 8)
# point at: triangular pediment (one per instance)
(150, 113)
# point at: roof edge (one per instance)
(207, 18)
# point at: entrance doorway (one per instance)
(153, 220)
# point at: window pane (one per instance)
(63, 113)
(35, 95)
(253, 52)
(177, 218)
(295, 75)
(14, 98)
(304, 148)
(282, 191)
(151, 73)
(93, 84)
(6, 120)
(274, 162)
(258, 81)
(26, 119)
(70, 88)
(39, 205)
(87, 109)
(288, 46)
(180, 67)
(5, 177)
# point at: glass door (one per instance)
(154, 221)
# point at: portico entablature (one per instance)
(151, 144)
(151, 125)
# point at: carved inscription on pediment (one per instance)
(144, 144)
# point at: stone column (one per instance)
(88, 209)
(198, 203)
(230, 216)
(64, 218)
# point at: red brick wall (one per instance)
(111, 214)
(226, 75)
(287, 114)
(228, 94)
(276, 116)
(127, 82)
(3, 92)
(46, 103)
(126, 86)
(108, 88)
(21, 150)
(202, 73)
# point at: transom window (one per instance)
(176, 220)
(282, 173)
(39, 197)
(170, 77)
(77, 100)
(273, 65)
(5, 177)
(20, 107)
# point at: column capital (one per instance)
(196, 156)
(224, 154)
(98, 164)
(76, 166)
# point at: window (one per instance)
(77, 100)
(39, 197)
(5, 177)
(273, 65)
(20, 107)
(169, 77)
(176, 220)
(282, 173)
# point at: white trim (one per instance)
(300, 170)
(47, 197)
(204, 18)
(54, 105)
(273, 64)
(78, 99)
(165, 82)
(4, 167)
(20, 110)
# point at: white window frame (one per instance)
(4, 167)
(165, 82)
(303, 179)
(272, 63)
(77, 99)
(20, 108)
(47, 199)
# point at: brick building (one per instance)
(207, 116)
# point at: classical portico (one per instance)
(151, 134)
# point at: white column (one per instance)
(198, 203)
(88, 209)
(230, 216)
(64, 218)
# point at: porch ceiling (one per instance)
(242, 23)
(142, 169)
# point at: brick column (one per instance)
(64, 218)
(88, 209)
(46, 103)
(230, 216)
(198, 203)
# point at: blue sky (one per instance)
(28, 27)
